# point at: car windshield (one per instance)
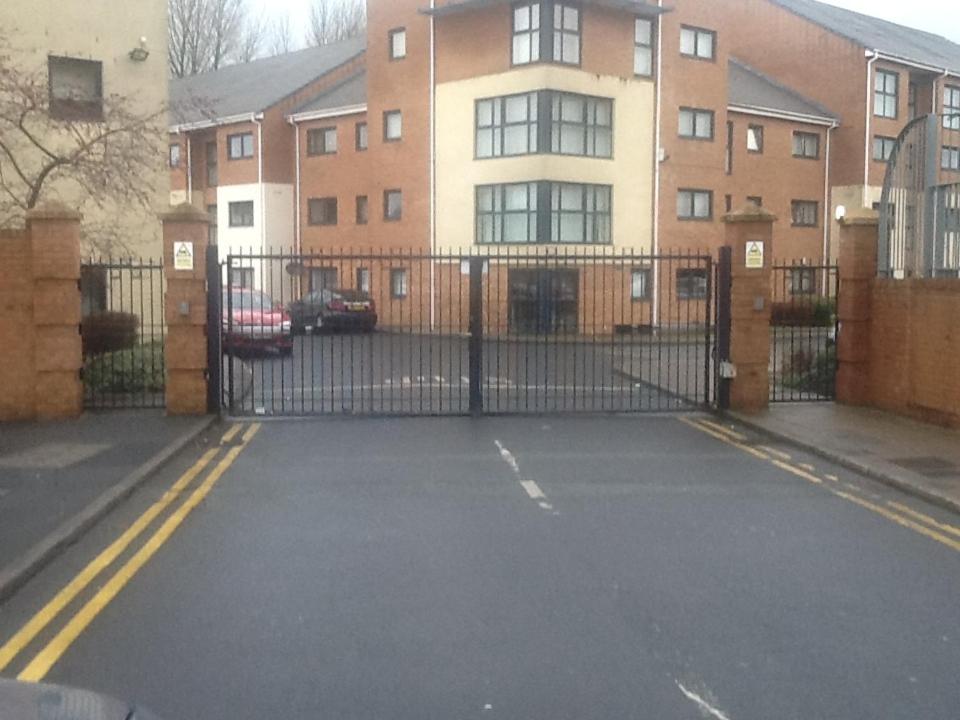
(249, 300)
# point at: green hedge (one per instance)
(137, 370)
(816, 375)
(819, 313)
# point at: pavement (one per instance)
(606, 567)
(920, 459)
(58, 478)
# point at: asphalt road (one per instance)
(613, 567)
(402, 373)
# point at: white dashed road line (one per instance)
(706, 708)
(529, 486)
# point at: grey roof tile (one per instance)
(255, 86)
(349, 93)
(750, 87)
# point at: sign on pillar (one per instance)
(183, 256)
(754, 255)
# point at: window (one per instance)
(240, 146)
(883, 147)
(363, 210)
(696, 124)
(803, 281)
(885, 85)
(241, 278)
(804, 213)
(950, 158)
(755, 138)
(392, 125)
(212, 227)
(213, 175)
(643, 47)
(398, 44)
(728, 155)
(912, 99)
(543, 212)
(691, 284)
(363, 280)
(640, 284)
(76, 89)
(363, 139)
(546, 121)
(698, 43)
(175, 155)
(806, 145)
(507, 125)
(581, 125)
(951, 107)
(322, 141)
(323, 279)
(695, 204)
(756, 200)
(392, 205)
(566, 34)
(398, 284)
(556, 41)
(728, 202)
(526, 33)
(322, 211)
(241, 214)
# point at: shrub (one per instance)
(814, 375)
(109, 332)
(136, 370)
(803, 314)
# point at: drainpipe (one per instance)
(875, 55)
(656, 167)
(298, 240)
(189, 170)
(258, 120)
(827, 215)
(433, 170)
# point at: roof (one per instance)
(637, 7)
(351, 93)
(256, 86)
(750, 88)
(875, 34)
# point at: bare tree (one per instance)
(335, 20)
(204, 34)
(106, 155)
(281, 36)
(252, 39)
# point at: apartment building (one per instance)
(89, 52)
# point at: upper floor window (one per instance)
(241, 213)
(694, 204)
(883, 147)
(392, 205)
(885, 87)
(392, 126)
(175, 155)
(240, 146)
(643, 47)
(544, 121)
(912, 100)
(363, 139)
(950, 158)
(698, 43)
(322, 141)
(322, 211)
(696, 124)
(363, 210)
(76, 89)
(755, 138)
(546, 30)
(806, 145)
(213, 175)
(580, 213)
(951, 107)
(398, 44)
(804, 213)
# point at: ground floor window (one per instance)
(543, 301)
(323, 279)
(241, 214)
(241, 278)
(640, 284)
(803, 281)
(691, 284)
(363, 280)
(398, 284)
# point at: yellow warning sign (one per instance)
(754, 255)
(183, 256)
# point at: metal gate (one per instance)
(123, 333)
(803, 333)
(518, 332)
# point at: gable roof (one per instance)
(350, 94)
(873, 33)
(253, 87)
(750, 88)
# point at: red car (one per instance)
(253, 321)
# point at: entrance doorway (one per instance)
(543, 302)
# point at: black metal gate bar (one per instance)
(123, 333)
(803, 333)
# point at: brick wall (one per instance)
(16, 327)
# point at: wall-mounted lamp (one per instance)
(140, 54)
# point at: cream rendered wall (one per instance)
(103, 30)
(630, 172)
(272, 232)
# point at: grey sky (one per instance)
(930, 15)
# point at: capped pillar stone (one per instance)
(859, 236)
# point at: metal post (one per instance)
(724, 284)
(476, 336)
(932, 162)
(214, 355)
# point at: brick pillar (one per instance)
(858, 270)
(185, 310)
(54, 233)
(750, 298)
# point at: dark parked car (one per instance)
(324, 310)
(257, 323)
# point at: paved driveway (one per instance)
(614, 567)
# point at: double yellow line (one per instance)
(907, 517)
(40, 665)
